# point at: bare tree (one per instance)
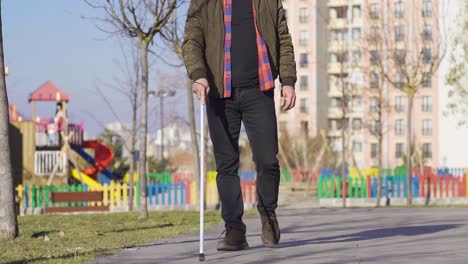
(143, 20)
(406, 55)
(345, 74)
(130, 89)
(8, 221)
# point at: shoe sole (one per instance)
(233, 247)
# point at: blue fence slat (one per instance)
(169, 193)
(157, 188)
(176, 189)
(150, 193)
(163, 194)
(182, 193)
(374, 187)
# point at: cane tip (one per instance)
(201, 257)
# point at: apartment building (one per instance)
(337, 70)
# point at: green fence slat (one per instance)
(33, 196)
(363, 187)
(319, 187)
(41, 196)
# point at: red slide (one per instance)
(103, 156)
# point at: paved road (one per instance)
(387, 235)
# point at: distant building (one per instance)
(316, 27)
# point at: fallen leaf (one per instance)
(46, 238)
(61, 233)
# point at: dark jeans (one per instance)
(256, 109)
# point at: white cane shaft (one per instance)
(202, 174)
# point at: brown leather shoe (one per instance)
(270, 230)
(233, 240)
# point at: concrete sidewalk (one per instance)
(386, 235)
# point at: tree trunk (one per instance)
(409, 143)
(379, 172)
(8, 222)
(193, 134)
(343, 165)
(143, 130)
(134, 95)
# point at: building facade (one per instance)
(350, 78)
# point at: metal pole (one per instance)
(162, 133)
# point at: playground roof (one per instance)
(49, 92)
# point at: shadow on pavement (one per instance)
(373, 234)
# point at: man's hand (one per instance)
(288, 97)
(201, 88)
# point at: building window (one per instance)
(356, 33)
(375, 127)
(399, 80)
(334, 125)
(399, 147)
(357, 146)
(399, 127)
(304, 60)
(304, 82)
(374, 80)
(356, 11)
(399, 105)
(427, 150)
(399, 9)
(427, 55)
(374, 150)
(427, 104)
(357, 102)
(400, 55)
(374, 57)
(399, 33)
(427, 127)
(374, 33)
(304, 106)
(374, 105)
(374, 11)
(356, 56)
(427, 80)
(338, 34)
(304, 38)
(338, 12)
(357, 124)
(427, 32)
(335, 102)
(427, 8)
(303, 15)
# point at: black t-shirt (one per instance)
(244, 53)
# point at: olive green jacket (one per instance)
(203, 46)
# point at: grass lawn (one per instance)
(76, 238)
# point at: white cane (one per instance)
(202, 177)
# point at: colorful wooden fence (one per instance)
(116, 195)
(424, 183)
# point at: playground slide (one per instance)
(86, 179)
(103, 158)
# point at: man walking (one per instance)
(234, 50)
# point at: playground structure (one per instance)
(50, 145)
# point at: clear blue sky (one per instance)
(49, 40)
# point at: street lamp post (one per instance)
(161, 93)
